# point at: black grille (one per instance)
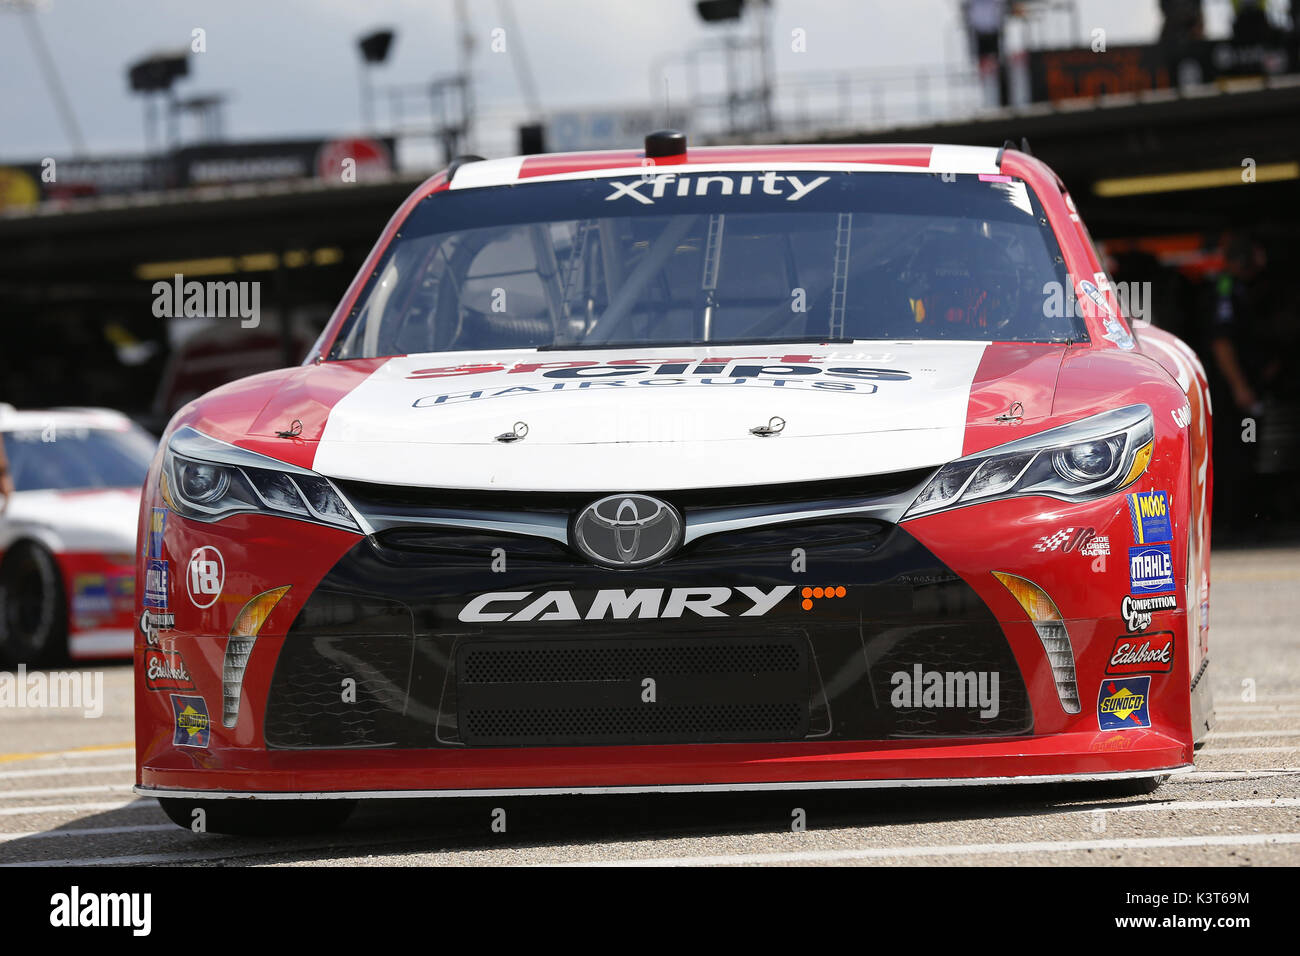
(947, 651)
(588, 692)
(370, 497)
(546, 663)
(644, 724)
(390, 616)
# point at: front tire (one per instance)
(257, 817)
(33, 607)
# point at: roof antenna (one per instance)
(1024, 146)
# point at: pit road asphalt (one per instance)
(65, 792)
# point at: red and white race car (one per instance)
(720, 469)
(67, 534)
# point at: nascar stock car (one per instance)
(67, 534)
(728, 468)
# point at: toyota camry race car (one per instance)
(67, 534)
(735, 468)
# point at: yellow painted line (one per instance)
(10, 758)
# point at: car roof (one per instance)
(13, 419)
(898, 157)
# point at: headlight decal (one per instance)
(1087, 459)
(239, 647)
(207, 480)
(1052, 633)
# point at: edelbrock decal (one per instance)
(646, 190)
(1142, 653)
(166, 670)
(621, 605)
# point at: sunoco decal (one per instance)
(1142, 653)
(1122, 703)
(193, 728)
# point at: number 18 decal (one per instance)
(205, 576)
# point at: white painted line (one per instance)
(60, 791)
(1198, 776)
(83, 754)
(1280, 802)
(957, 849)
(1218, 751)
(1230, 713)
(192, 857)
(87, 831)
(59, 771)
(1239, 734)
(74, 808)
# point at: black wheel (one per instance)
(1137, 786)
(33, 609)
(257, 817)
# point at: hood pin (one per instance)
(519, 431)
(775, 425)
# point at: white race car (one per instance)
(67, 534)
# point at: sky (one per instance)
(290, 67)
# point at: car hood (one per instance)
(674, 418)
(100, 520)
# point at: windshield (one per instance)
(69, 459)
(715, 258)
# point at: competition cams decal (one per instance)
(1137, 611)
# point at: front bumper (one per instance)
(384, 613)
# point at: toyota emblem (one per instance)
(627, 531)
